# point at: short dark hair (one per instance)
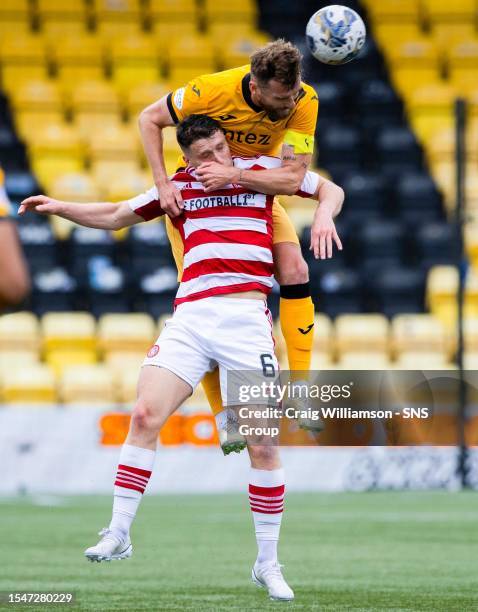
(195, 127)
(278, 60)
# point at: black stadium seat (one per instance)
(378, 243)
(340, 148)
(378, 105)
(339, 292)
(417, 198)
(367, 195)
(434, 243)
(397, 151)
(396, 290)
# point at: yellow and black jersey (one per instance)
(5, 206)
(226, 97)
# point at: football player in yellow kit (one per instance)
(264, 109)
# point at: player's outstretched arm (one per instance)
(100, 215)
(323, 232)
(151, 121)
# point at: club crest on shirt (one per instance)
(153, 351)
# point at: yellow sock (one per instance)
(212, 388)
(297, 325)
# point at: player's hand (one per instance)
(215, 176)
(41, 204)
(170, 199)
(323, 234)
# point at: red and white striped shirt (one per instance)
(227, 234)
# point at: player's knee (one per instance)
(144, 420)
(264, 457)
(294, 271)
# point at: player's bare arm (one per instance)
(14, 277)
(323, 232)
(99, 215)
(152, 120)
(285, 180)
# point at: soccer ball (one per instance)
(335, 34)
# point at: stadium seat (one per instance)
(418, 333)
(15, 17)
(239, 49)
(434, 243)
(79, 187)
(21, 185)
(242, 11)
(127, 384)
(61, 359)
(340, 292)
(390, 35)
(379, 243)
(77, 59)
(431, 108)
(114, 143)
(411, 360)
(68, 332)
(23, 58)
(126, 333)
(57, 17)
(441, 11)
(367, 195)
(19, 331)
(188, 57)
(361, 333)
(128, 186)
(470, 334)
(53, 290)
(40, 95)
(340, 149)
(332, 96)
(105, 171)
(396, 290)
(397, 150)
(417, 197)
(134, 61)
(119, 18)
(441, 292)
(363, 360)
(378, 105)
(39, 246)
(33, 385)
(447, 34)
(463, 65)
(172, 18)
(140, 96)
(88, 385)
(95, 105)
(413, 64)
(396, 12)
(12, 149)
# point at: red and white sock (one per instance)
(134, 470)
(266, 496)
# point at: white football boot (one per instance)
(109, 548)
(269, 576)
(228, 429)
(300, 403)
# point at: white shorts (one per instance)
(232, 333)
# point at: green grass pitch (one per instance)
(362, 551)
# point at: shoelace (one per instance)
(275, 570)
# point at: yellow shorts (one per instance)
(283, 231)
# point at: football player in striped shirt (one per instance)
(220, 317)
(265, 109)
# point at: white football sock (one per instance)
(134, 470)
(266, 496)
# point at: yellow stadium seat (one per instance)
(414, 63)
(19, 331)
(321, 361)
(418, 333)
(127, 333)
(127, 385)
(57, 17)
(106, 171)
(134, 60)
(141, 96)
(470, 334)
(188, 56)
(61, 359)
(447, 34)
(128, 186)
(239, 49)
(11, 359)
(34, 384)
(441, 292)
(463, 66)
(94, 96)
(68, 331)
(422, 360)
(78, 187)
(361, 333)
(431, 108)
(87, 384)
(15, 17)
(363, 360)
(37, 96)
(114, 143)
(470, 361)
(396, 12)
(121, 17)
(77, 59)
(439, 11)
(244, 11)
(173, 18)
(23, 58)
(390, 35)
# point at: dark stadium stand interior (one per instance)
(393, 225)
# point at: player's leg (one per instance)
(160, 393)
(296, 307)
(266, 497)
(229, 437)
